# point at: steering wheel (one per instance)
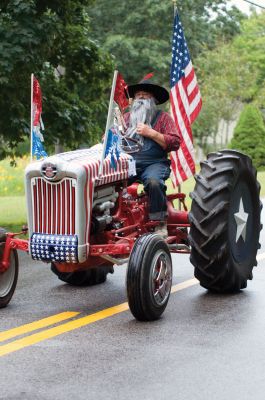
(130, 145)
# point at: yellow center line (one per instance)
(184, 285)
(77, 323)
(33, 326)
(58, 330)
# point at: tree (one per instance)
(231, 75)
(251, 45)
(249, 135)
(45, 37)
(138, 33)
(224, 83)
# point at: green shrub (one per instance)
(249, 135)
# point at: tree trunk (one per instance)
(58, 148)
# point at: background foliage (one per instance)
(249, 135)
(38, 36)
(73, 47)
(231, 75)
(138, 33)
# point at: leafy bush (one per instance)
(249, 135)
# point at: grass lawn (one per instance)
(12, 212)
(12, 200)
(12, 178)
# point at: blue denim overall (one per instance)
(152, 169)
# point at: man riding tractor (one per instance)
(157, 135)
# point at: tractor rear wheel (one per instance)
(149, 277)
(88, 277)
(8, 278)
(225, 221)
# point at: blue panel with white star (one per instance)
(54, 248)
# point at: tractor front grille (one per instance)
(53, 205)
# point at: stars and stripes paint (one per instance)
(54, 205)
(55, 248)
(37, 149)
(185, 102)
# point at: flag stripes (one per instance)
(186, 104)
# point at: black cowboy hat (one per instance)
(160, 93)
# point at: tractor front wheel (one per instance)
(149, 277)
(88, 277)
(8, 278)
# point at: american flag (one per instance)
(185, 100)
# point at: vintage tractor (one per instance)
(83, 224)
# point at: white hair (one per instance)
(142, 110)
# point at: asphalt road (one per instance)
(204, 347)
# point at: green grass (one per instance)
(12, 213)
(13, 204)
(188, 187)
(12, 178)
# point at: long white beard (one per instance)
(142, 110)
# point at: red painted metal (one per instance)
(129, 221)
(12, 243)
(111, 249)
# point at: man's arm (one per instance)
(151, 133)
(164, 133)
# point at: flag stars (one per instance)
(41, 250)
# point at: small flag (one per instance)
(186, 103)
(112, 150)
(37, 102)
(37, 148)
(119, 94)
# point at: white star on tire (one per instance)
(241, 218)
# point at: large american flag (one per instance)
(185, 102)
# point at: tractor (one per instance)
(82, 223)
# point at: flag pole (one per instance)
(108, 122)
(175, 7)
(31, 115)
